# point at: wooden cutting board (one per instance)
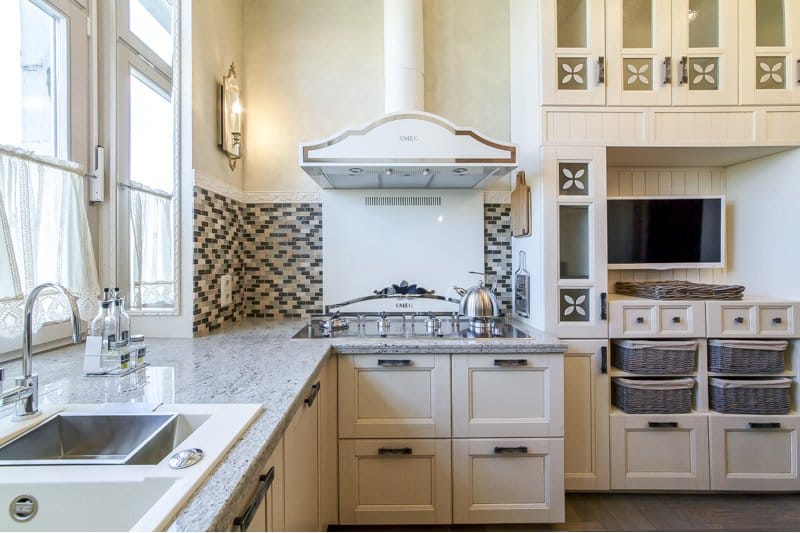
(521, 207)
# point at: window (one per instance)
(45, 108)
(33, 95)
(147, 155)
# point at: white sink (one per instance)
(118, 497)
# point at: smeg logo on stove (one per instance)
(409, 138)
(404, 305)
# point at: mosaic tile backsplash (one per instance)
(274, 254)
(497, 251)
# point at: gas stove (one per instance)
(406, 326)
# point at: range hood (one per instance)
(406, 147)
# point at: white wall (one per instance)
(217, 30)
(525, 129)
(763, 222)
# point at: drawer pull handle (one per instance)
(394, 362)
(662, 424)
(510, 362)
(739, 320)
(684, 68)
(640, 320)
(603, 306)
(764, 425)
(603, 360)
(518, 449)
(668, 70)
(601, 70)
(313, 396)
(242, 523)
(676, 320)
(395, 451)
(777, 320)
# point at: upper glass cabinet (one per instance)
(768, 34)
(573, 50)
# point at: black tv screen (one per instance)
(683, 231)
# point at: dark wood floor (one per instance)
(658, 512)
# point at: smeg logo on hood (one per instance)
(409, 138)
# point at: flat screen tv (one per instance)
(666, 232)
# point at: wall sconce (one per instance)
(230, 118)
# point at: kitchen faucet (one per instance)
(26, 392)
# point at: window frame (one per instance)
(77, 97)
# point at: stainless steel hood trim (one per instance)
(511, 149)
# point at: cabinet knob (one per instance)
(640, 320)
(676, 320)
(777, 320)
(739, 320)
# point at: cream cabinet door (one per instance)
(301, 467)
(586, 402)
(508, 481)
(394, 481)
(274, 519)
(328, 446)
(394, 396)
(754, 453)
(576, 253)
(769, 50)
(638, 43)
(659, 452)
(573, 52)
(517, 395)
(705, 53)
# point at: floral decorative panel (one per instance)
(572, 73)
(704, 73)
(573, 179)
(770, 72)
(574, 305)
(637, 74)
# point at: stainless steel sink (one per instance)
(94, 439)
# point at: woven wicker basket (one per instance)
(679, 290)
(655, 357)
(648, 396)
(750, 397)
(746, 357)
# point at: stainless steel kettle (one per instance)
(478, 301)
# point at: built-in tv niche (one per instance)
(659, 232)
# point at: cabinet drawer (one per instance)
(394, 481)
(655, 452)
(518, 395)
(754, 452)
(743, 319)
(508, 481)
(642, 318)
(394, 396)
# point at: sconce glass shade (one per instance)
(230, 117)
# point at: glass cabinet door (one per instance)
(573, 52)
(769, 33)
(638, 45)
(705, 58)
(575, 241)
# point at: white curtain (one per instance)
(152, 249)
(44, 236)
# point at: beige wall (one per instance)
(216, 42)
(467, 63)
(314, 67)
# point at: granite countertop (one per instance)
(255, 361)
